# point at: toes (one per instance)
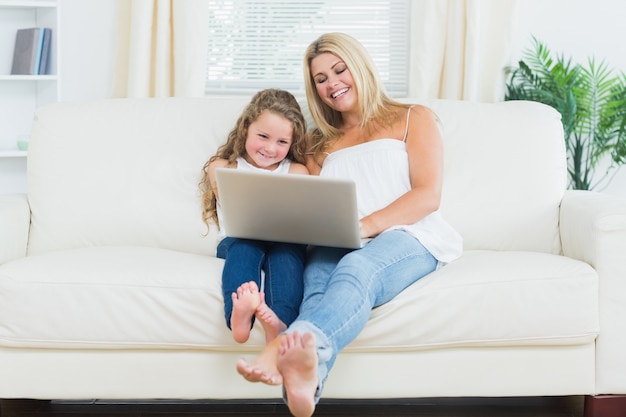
(308, 340)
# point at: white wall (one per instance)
(576, 28)
(88, 48)
(579, 29)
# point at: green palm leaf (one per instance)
(592, 103)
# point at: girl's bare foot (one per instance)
(272, 325)
(297, 363)
(263, 369)
(245, 302)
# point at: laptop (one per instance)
(289, 208)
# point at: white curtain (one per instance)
(460, 48)
(160, 48)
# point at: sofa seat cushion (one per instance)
(113, 296)
(491, 298)
(142, 297)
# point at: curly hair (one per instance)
(277, 101)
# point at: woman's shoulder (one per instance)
(414, 108)
(421, 111)
(416, 115)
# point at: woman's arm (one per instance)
(313, 161)
(425, 152)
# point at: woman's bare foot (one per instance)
(272, 325)
(263, 369)
(245, 303)
(297, 363)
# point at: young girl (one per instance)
(269, 137)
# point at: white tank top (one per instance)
(380, 169)
(283, 166)
(242, 164)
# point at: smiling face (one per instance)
(333, 82)
(269, 138)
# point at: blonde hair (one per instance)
(277, 101)
(373, 100)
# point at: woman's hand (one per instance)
(368, 227)
(425, 152)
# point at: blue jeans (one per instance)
(283, 264)
(341, 287)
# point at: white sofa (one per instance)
(109, 290)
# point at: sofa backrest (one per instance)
(505, 173)
(125, 172)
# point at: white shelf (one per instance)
(28, 4)
(6, 77)
(13, 154)
(21, 95)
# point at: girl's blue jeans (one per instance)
(341, 287)
(283, 264)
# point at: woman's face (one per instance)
(333, 82)
(269, 138)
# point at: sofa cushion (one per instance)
(113, 297)
(141, 297)
(124, 172)
(504, 173)
(491, 298)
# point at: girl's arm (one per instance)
(297, 168)
(425, 152)
(218, 163)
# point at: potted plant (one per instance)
(592, 103)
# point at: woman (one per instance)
(394, 154)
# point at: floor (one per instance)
(447, 407)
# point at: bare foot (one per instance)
(245, 302)
(297, 363)
(263, 369)
(272, 325)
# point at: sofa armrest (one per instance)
(14, 224)
(593, 229)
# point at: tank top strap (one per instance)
(406, 128)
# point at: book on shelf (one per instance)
(31, 55)
(44, 62)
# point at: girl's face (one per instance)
(269, 138)
(334, 82)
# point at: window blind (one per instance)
(259, 44)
